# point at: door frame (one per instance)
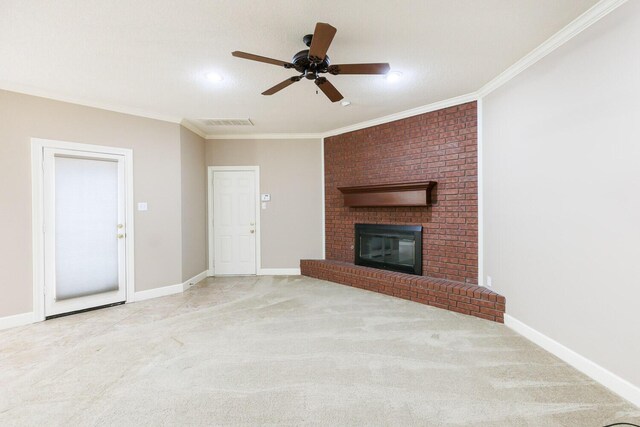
(210, 220)
(37, 214)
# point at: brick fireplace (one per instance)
(438, 147)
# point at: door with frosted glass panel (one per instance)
(84, 230)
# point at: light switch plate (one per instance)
(142, 206)
(265, 197)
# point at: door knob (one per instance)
(120, 226)
(251, 223)
(120, 236)
(252, 231)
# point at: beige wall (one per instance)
(157, 175)
(194, 204)
(291, 171)
(562, 193)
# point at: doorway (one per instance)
(234, 220)
(83, 227)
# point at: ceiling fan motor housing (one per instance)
(303, 64)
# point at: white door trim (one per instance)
(480, 178)
(324, 204)
(210, 219)
(37, 210)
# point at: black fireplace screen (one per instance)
(389, 247)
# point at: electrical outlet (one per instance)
(488, 283)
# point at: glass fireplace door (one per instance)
(390, 247)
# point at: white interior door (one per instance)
(234, 222)
(84, 230)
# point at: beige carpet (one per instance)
(288, 351)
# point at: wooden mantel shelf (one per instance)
(401, 194)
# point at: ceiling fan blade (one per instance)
(282, 85)
(329, 89)
(252, 57)
(322, 38)
(382, 68)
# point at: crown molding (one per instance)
(404, 114)
(362, 125)
(28, 90)
(575, 27)
(193, 128)
(267, 136)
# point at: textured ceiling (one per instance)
(151, 56)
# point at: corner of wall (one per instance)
(193, 202)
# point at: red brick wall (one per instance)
(439, 146)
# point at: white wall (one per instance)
(562, 193)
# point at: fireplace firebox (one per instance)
(389, 247)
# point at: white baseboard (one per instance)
(195, 279)
(171, 289)
(28, 318)
(158, 292)
(279, 272)
(16, 320)
(605, 377)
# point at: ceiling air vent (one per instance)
(226, 122)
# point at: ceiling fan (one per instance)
(314, 61)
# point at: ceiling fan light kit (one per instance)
(313, 62)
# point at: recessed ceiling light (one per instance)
(393, 76)
(345, 103)
(214, 77)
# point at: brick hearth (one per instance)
(449, 295)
